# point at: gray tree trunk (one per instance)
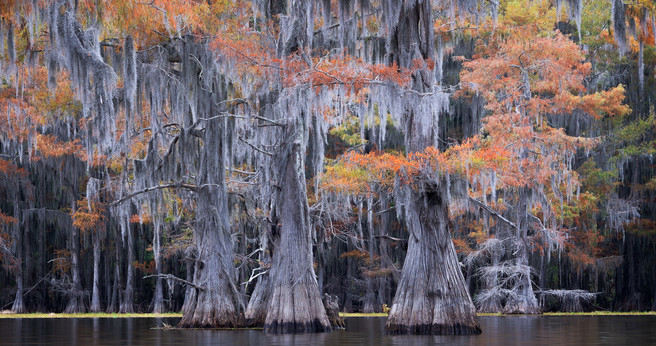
(95, 294)
(18, 307)
(189, 269)
(158, 299)
(218, 304)
(431, 297)
(295, 304)
(259, 303)
(113, 303)
(127, 303)
(76, 299)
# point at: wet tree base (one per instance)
(433, 329)
(196, 323)
(297, 327)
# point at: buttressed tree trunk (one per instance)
(295, 304)
(432, 296)
(216, 301)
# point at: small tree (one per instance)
(528, 81)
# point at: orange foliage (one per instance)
(355, 173)
(141, 219)
(62, 261)
(89, 216)
(50, 147)
(10, 170)
(524, 79)
(145, 267)
(462, 246)
(6, 219)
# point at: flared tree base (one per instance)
(279, 327)
(211, 310)
(296, 308)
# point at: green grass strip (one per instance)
(88, 315)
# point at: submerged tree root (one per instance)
(316, 326)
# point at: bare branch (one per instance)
(171, 277)
(494, 213)
(153, 188)
(255, 147)
(388, 237)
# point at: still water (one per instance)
(497, 330)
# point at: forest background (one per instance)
(207, 156)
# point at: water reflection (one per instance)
(497, 330)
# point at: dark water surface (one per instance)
(497, 330)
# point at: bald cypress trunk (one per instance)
(113, 302)
(258, 305)
(295, 304)
(256, 311)
(18, 306)
(95, 294)
(432, 296)
(158, 299)
(127, 301)
(215, 302)
(76, 298)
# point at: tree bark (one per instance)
(95, 294)
(295, 304)
(189, 271)
(18, 307)
(158, 299)
(76, 299)
(432, 297)
(219, 304)
(127, 303)
(113, 302)
(256, 311)
(258, 305)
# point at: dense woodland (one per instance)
(247, 162)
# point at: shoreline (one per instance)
(6, 315)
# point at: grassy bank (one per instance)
(87, 315)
